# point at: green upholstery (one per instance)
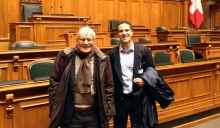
(160, 29)
(25, 45)
(113, 24)
(162, 35)
(40, 69)
(186, 55)
(161, 58)
(191, 39)
(143, 40)
(28, 11)
(115, 41)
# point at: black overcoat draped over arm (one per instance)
(155, 89)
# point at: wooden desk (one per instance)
(210, 35)
(180, 36)
(48, 30)
(196, 86)
(172, 48)
(208, 49)
(13, 63)
(24, 105)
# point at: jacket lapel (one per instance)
(137, 61)
(117, 64)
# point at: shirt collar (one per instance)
(130, 49)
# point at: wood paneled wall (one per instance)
(150, 13)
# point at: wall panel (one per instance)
(36, 108)
(181, 85)
(201, 86)
(123, 10)
(110, 11)
(155, 14)
(4, 71)
(84, 7)
(135, 12)
(97, 12)
(170, 14)
(146, 14)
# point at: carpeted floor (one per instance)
(215, 123)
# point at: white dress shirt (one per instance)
(127, 63)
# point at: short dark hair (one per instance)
(124, 22)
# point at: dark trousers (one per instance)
(83, 119)
(121, 121)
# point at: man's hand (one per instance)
(139, 82)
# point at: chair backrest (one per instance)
(215, 27)
(186, 55)
(30, 7)
(161, 57)
(115, 41)
(40, 69)
(192, 39)
(162, 34)
(25, 45)
(161, 29)
(113, 24)
(143, 40)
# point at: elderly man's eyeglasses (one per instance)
(84, 39)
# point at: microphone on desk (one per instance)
(80, 21)
(90, 19)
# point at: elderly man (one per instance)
(81, 86)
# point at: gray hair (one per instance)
(86, 30)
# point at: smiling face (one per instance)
(125, 33)
(85, 39)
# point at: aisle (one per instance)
(215, 123)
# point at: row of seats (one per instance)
(190, 40)
(162, 57)
(32, 45)
(39, 70)
(163, 34)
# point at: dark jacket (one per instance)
(61, 99)
(145, 112)
(155, 89)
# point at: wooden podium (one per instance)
(48, 30)
(208, 49)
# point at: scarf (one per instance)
(84, 76)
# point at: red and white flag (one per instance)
(196, 12)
